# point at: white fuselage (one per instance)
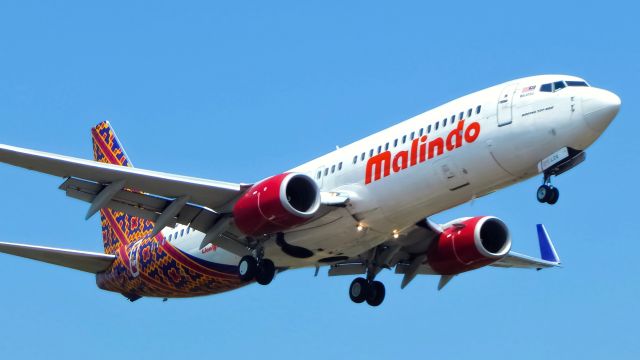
(518, 124)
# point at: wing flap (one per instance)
(209, 193)
(145, 206)
(79, 260)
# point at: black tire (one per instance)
(543, 193)
(247, 268)
(555, 195)
(376, 293)
(266, 272)
(358, 290)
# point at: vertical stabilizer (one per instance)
(118, 228)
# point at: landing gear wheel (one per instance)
(266, 272)
(544, 193)
(247, 268)
(376, 293)
(555, 195)
(358, 290)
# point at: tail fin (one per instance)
(118, 228)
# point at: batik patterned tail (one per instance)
(118, 228)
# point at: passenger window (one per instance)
(429, 129)
(371, 153)
(461, 116)
(558, 85)
(379, 149)
(404, 139)
(546, 88)
(188, 230)
(444, 122)
(438, 124)
(386, 146)
(326, 171)
(362, 156)
(453, 119)
(478, 109)
(395, 142)
(421, 132)
(340, 166)
(319, 174)
(469, 112)
(169, 238)
(355, 159)
(333, 169)
(175, 236)
(182, 233)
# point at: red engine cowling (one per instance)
(469, 244)
(276, 204)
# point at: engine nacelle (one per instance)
(469, 244)
(276, 204)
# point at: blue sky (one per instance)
(239, 91)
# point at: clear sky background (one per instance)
(239, 91)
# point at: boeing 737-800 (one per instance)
(358, 210)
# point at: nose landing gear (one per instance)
(547, 193)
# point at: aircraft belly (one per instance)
(336, 238)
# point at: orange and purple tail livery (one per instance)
(118, 228)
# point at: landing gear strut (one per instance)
(260, 269)
(547, 193)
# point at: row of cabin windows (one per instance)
(333, 169)
(177, 234)
(431, 127)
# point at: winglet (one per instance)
(547, 250)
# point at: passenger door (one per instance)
(505, 102)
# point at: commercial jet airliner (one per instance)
(358, 210)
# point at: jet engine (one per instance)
(276, 204)
(468, 244)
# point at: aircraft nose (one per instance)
(599, 108)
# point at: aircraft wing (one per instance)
(212, 194)
(548, 255)
(79, 260)
(410, 258)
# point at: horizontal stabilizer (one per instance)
(79, 260)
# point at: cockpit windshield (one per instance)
(558, 85)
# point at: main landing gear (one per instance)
(362, 290)
(262, 270)
(546, 192)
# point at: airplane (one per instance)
(358, 210)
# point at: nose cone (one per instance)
(599, 108)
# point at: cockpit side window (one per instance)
(558, 85)
(546, 88)
(576, 83)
